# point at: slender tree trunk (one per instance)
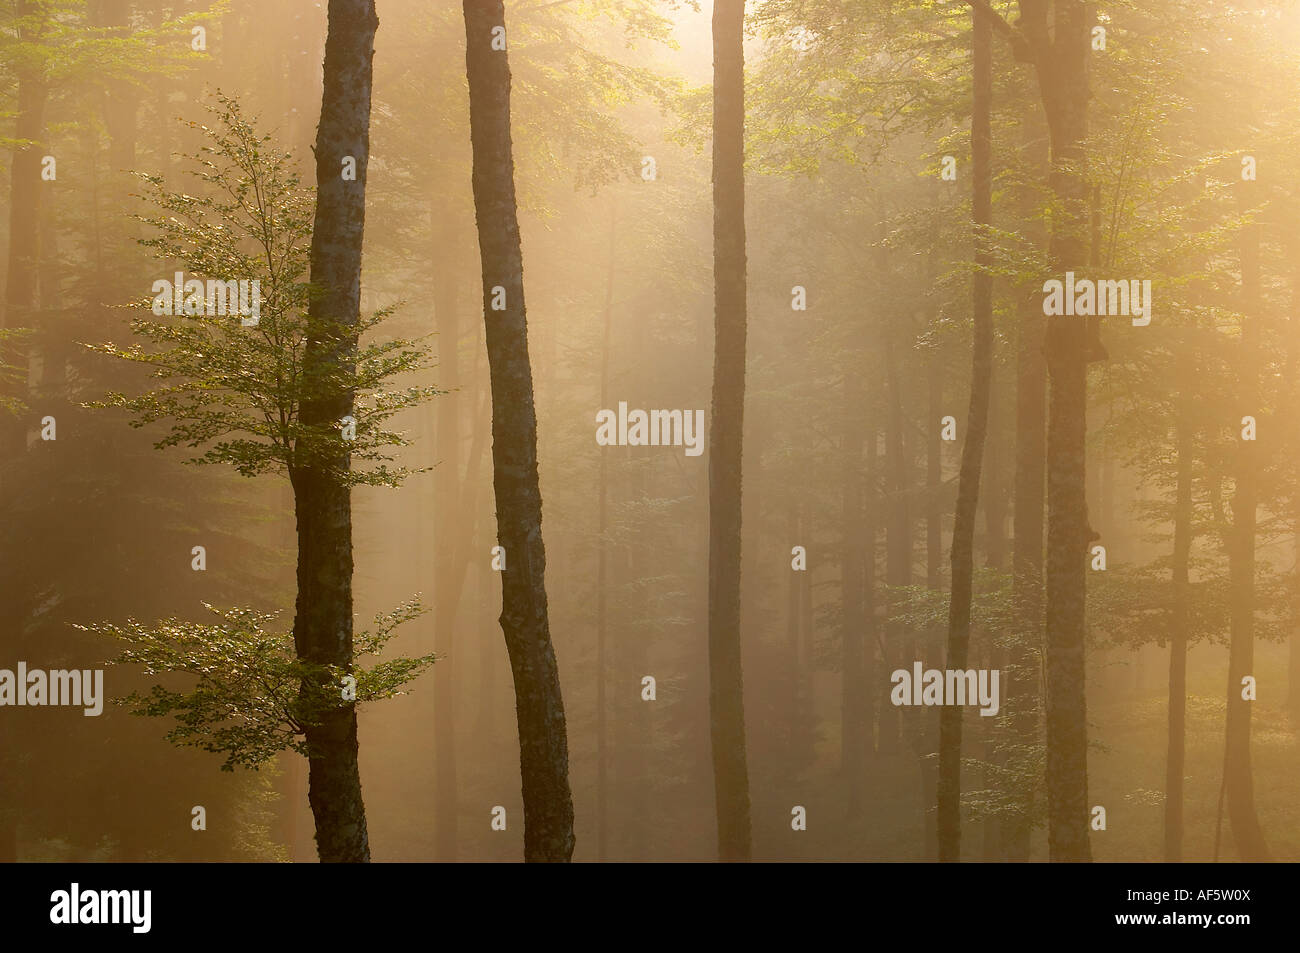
(934, 474)
(853, 690)
(1293, 366)
(928, 738)
(543, 740)
(1240, 782)
(726, 685)
(602, 577)
(972, 457)
(449, 529)
(20, 307)
(322, 498)
(1021, 678)
(870, 526)
(898, 541)
(994, 501)
(25, 191)
(1180, 615)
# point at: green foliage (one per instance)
(12, 376)
(236, 391)
(251, 696)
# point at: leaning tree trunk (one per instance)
(726, 686)
(543, 740)
(322, 626)
(1238, 777)
(972, 451)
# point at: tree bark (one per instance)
(1060, 50)
(972, 457)
(726, 683)
(543, 741)
(322, 498)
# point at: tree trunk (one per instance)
(322, 499)
(870, 528)
(602, 573)
(1293, 368)
(898, 542)
(1180, 614)
(450, 542)
(543, 741)
(934, 474)
(20, 306)
(1021, 678)
(1241, 575)
(726, 685)
(1061, 51)
(972, 457)
(853, 690)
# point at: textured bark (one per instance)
(539, 705)
(972, 456)
(1246, 832)
(1060, 50)
(322, 624)
(726, 684)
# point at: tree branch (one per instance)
(1021, 47)
(999, 23)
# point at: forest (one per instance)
(910, 389)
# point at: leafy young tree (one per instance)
(246, 702)
(251, 397)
